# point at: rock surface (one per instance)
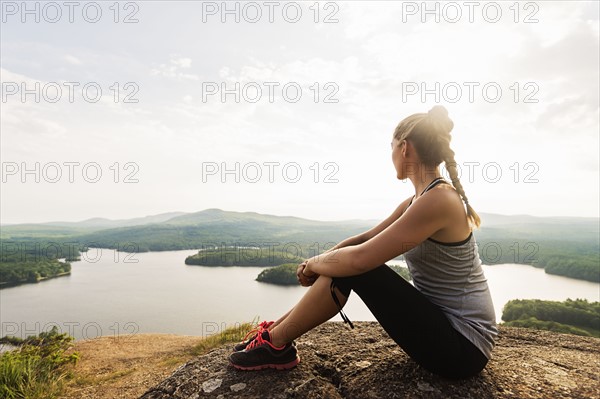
(337, 362)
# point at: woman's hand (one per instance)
(305, 277)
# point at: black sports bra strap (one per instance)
(431, 185)
(434, 183)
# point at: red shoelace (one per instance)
(259, 329)
(259, 340)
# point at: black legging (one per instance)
(416, 324)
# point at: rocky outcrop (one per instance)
(337, 362)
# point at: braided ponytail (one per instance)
(474, 218)
(439, 118)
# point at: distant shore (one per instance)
(17, 283)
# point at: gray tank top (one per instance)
(450, 275)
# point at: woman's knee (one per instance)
(372, 277)
(341, 286)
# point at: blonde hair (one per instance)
(429, 133)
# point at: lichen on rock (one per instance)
(337, 362)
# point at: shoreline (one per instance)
(531, 264)
(23, 282)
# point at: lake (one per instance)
(155, 292)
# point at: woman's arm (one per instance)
(307, 277)
(426, 216)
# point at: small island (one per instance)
(241, 256)
(285, 274)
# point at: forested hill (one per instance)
(214, 227)
(562, 245)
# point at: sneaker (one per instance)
(262, 354)
(240, 346)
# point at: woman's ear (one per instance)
(404, 145)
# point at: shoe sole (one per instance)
(241, 349)
(285, 366)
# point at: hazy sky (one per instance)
(127, 109)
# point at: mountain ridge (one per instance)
(494, 219)
(194, 227)
(563, 246)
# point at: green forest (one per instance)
(281, 275)
(14, 273)
(241, 257)
(578, 316)
(25, 261)
(562, 246)
(575, 259)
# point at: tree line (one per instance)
(30, 261)
(240, 256)
(575, 259)
(571, 316)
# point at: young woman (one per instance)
(446, 321)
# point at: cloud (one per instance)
(28, 131)
(72, 60)
(182, 62)
(10, 76)
(574, 117)
(368, 55)
(557, 21)
(172, 70)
